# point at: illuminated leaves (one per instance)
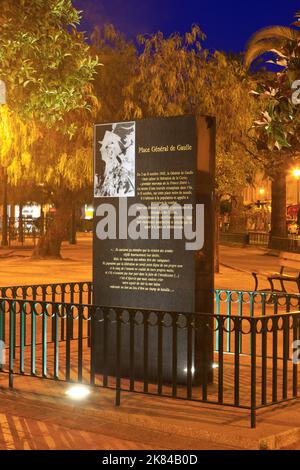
(44, 61)
(17, 139)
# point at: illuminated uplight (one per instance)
(262, 191)
(78, 392)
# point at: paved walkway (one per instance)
(237, 264)
(248, 258)
(44, 418)
(17, 268)
(42, 422)
(23, 433)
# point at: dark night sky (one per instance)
(227, 24)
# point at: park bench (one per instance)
(287, 260)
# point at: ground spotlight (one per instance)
(78, 392)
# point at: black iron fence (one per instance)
(53, 331)
(23, 230)
(290, 243)
(235, 238)
(258, 238)
(65, 292)
(27, 230)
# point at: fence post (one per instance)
(22, 336)
(44, 341)
(2, 335)
(2, 321)
(56, 341)
(12, 312)
(92, 317)
(118, 359)
(253, 373)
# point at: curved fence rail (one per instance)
(229, 303)
(226, 301)
(74, 292)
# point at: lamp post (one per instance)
(4, 240)
(296, 173)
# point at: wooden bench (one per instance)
(286, 260)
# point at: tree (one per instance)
(48, 70)
(44, 61)
(276, 132)
(16, 139)
(175, 76)
(119, 58)
(64, 168)
(65, 165)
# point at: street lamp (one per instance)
(296, 174)
(4, 241)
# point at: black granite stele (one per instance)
(192, 290)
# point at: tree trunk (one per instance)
(21, 231)
(73, 227)
(237, 216)
(49, 244)
(42, 222)
(4, 241)
(278, 216)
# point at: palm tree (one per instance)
(282, 41)
(277, 132)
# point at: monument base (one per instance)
(162, 348)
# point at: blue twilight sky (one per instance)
(228, 24)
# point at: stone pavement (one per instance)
(19, 432)
(44, 418)
(18, 268)
(248, 258)
(33, 421)
(237, 264)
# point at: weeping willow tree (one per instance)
(177, 75)
(50, 164)
(16, 140)
(63, 168)
(119, 58)
(48, 69)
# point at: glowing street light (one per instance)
(262, 191)
(296, 174)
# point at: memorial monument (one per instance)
(154, 228)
